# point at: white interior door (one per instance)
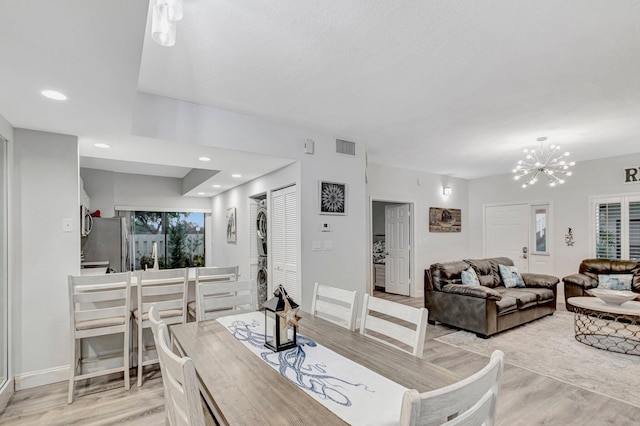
(398, 249)
(506, 233)
(284, 240)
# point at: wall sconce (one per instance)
(446, 190)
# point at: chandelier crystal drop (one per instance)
(165, 14)
(551, 164)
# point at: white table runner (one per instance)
(356, 394)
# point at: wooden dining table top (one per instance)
(242, 389)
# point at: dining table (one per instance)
(240, 388)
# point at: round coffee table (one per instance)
(614, 328)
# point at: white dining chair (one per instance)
(167, 289)
(207, 275)
(181, 384)
(155, 321)
(412, 337)
(99, 305)
(469, 402)
(335, 304)
(217, 299)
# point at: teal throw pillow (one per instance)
(469, 277)
(511, 277)
(615, 281)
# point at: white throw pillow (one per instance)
(615, 281)
(510, 276)
(469, 277)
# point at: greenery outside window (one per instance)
(179, 237)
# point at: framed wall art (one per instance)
(333, 198)
(445, 220)
(231, 225)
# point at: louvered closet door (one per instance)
(284, 245)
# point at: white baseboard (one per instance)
(41, 377)
(5, 394)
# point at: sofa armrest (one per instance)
(540, 280)
(581, 280)
(472, 290)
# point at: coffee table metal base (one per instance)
(609, 331)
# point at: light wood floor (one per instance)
(526, 398)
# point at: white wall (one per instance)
(346, 265)
(46, 169)
(570, 203)
(238, 253)
(394, 184)
(108, 189)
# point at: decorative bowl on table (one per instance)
(612, 297)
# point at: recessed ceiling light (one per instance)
(216, 186)
(201, 193)
(102, 145)
(204, 158)
(55, 95)
(236, 175)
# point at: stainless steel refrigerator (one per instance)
(108, 240)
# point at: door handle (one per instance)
(525, 250)
(524, 256)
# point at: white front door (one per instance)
(398, 249)
(506, 233)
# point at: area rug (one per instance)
(548, 347)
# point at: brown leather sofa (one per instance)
(587, 277)
(490, 307)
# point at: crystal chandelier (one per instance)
(163, 21)
(551, 164)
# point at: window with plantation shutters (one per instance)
(617, 228)
(284, 241)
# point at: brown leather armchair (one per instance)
(587, 277)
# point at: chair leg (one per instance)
(127, 357)
(140, 349)
(73, 362)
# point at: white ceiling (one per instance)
(448, 86)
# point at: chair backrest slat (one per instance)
(179, 378)
(335, 304)
(167, 288)
(471, 401)
(99, 297)
(225, 298)
(412, 337)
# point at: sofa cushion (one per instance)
(544, 295)
(487, 271)
(510, 276)
(447, 273)
(524, 299)
(469, 277)
(506, 305)
(472, 290)
(615, 281)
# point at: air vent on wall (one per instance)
(345, 147)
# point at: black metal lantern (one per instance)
(280, 313)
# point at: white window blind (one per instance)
(608, 230)
(634, 230)
(617, 228)
(284, 231)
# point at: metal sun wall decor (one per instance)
(333, 198)
(445, 220)
(231, 225)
